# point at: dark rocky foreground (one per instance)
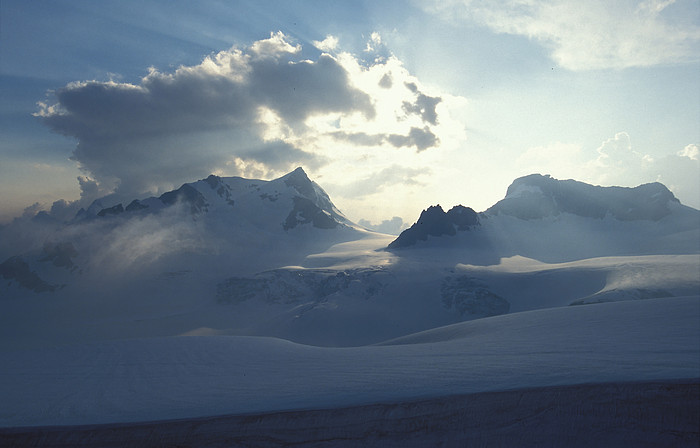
(615, 414)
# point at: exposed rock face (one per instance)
(462, 217)
(135, 205)
(60, 254)
(536, 196)
(468, 296)
(116, 210)
(16, 269)
(306, 212)
(435, 222)
(296, 286)
(300, 182)
(186, 194)
(311, 206)
(222, 189)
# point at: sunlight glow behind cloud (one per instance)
(257, 111)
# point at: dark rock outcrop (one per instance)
(435, 222)
(60, 254)
(312, 205)
(223, 190)
(115, 210)
(468, 296)
(135, 205)
(306, 212)
(16, 269)
(186, 194)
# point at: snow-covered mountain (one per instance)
(562, 220)
(276, 258)
(290, 201)
(291, 307)
(220, 223)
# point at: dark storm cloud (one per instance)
(301, 89)
(421, 139)
(171, 127)
(424, 105)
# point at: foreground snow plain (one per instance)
(543, 343)
(180, 377)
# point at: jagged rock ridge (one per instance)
(543, 217)
(435, 222)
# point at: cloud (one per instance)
(424, 105)
(392, 226)
(619, 162)
(261, 109)
(616, 153)
(374, 43)
(691, 151)
(375, 183)
(616, 162)
(328, 44)
(421, 139)
(595, 34)
(171, 127)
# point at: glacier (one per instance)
(257, 305)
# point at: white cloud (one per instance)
(691, 151)
(328, 44)
(616, 153)
(594, 34)
(616, 162)
(393, 226)
(374, 42)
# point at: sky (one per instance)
(390, 106)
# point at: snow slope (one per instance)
(212, 226)
(232, 296)
(590, 415)
(166, 378)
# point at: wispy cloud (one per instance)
(377, 182)
(594, 34)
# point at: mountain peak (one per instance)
(312, 204)
(435, 222)
(536, 196)
(300, 181)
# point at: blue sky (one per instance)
(390, 106)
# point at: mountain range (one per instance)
(277, 258)
(252, 310)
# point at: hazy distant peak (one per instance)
(537, 196)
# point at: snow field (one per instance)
(183, 377)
